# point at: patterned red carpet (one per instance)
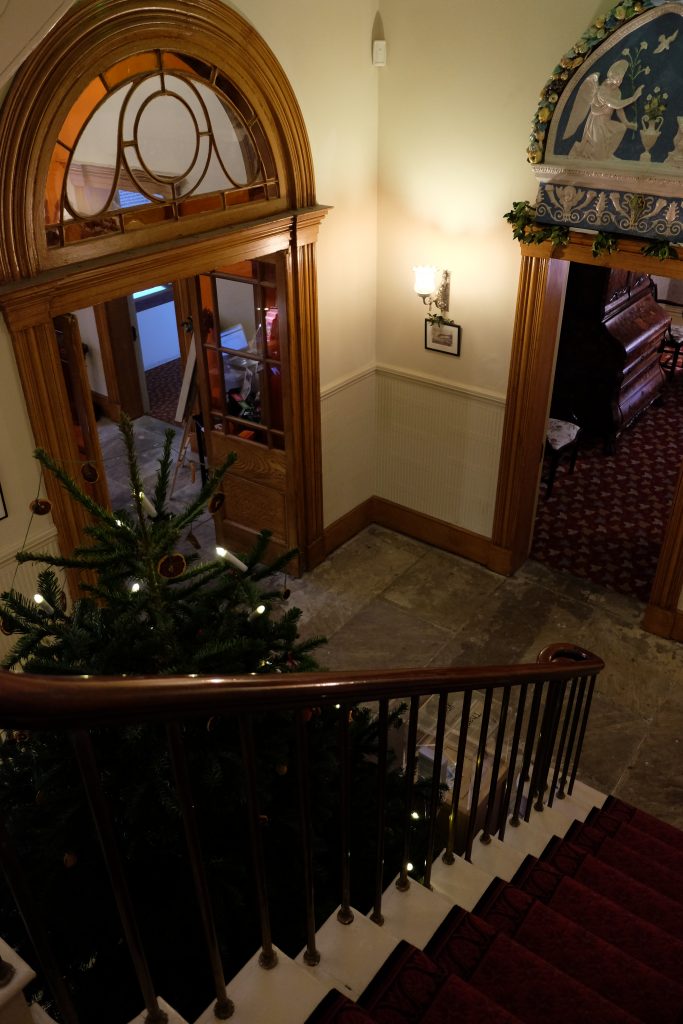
(163, 388)
(605, 522)
(587, 933)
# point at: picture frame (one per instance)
(3, 506)
(442, 336)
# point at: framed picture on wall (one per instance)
(3, 507)
(442, 336)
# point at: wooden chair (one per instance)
(562, 438)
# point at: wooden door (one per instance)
(119, 357)
(242, 372)
(90, 474)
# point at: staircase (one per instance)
(542, 904)
(587, 931)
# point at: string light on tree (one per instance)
(232, 559)
(43, 604)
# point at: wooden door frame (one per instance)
(540, 299)
(30, 307)
(38, 282)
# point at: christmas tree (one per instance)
(154, 610)
(150, 609)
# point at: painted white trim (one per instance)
(37, 541)
(413, 377)
(466, 390)
(347, 382)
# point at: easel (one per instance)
(186, 402)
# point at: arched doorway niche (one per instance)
(543, 276)
(39, 281)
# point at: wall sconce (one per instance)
(426, 288)
(441, 333)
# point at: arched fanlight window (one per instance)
(157, 136)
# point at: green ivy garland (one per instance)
(525, 228)
(563, 72)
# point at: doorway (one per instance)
(540, 301)
(68, 241)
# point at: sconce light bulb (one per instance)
(425, 281)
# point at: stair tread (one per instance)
(587, 958)
(415, 914)
(516, 978)
(616, 885)
(350, 954)
(286, 994)
(604, 917)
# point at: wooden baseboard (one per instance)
(677, 630)
(414, 524)
(661, 621)
(348, 526)
(430, 530)
(111, 409)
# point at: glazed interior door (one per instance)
(243, 383)
(71, 355)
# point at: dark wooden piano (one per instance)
(608, 362)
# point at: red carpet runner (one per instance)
(605, 521)
(589, 933)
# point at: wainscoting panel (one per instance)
(23, 577)
(348, 415)
(438, 448)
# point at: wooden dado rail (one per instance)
(542, 711)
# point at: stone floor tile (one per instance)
(383, 636)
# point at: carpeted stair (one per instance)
(589, 932)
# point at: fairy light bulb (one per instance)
(232, 559)
(43, 604)
(147, 505)
(259, 610)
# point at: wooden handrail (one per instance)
(70, 702)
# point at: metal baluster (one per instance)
(519, 719)
(546, 743)
(383, 725)
(528, 747)
(572, 737)
(436, 783)
(481, 752)
(497, 756)
(403, 882)
(224, 1007)
(105, 832)
(345, 914)
(563, 740)
(449, 856)
(311, 954)
(35, 928)
(268, 956)
(582, 734)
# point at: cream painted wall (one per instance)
(19, 472)
(325, 50)
(455, 108)
(456, 102)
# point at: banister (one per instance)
(69, 702)
(548, 733)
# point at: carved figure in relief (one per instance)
(602, 134)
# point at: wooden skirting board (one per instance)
(419, 526)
